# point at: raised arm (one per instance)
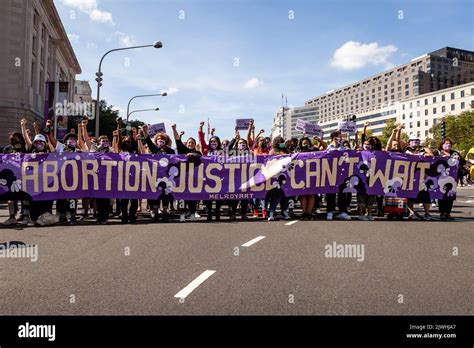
(28, 143)
(115, 141)
(388, 147)
(202, 139)
(36, 128)
(251, 134)
(51, 138)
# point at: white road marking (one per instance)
(253, 241)
(194, 284)
(291, 222)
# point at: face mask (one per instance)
(242, 146)
(305, 146)
(446, 146)
(160, 143)
(366, 147)
(71, 143)
(281, 145)
(104, 145)
(213, 146)
(39, 145)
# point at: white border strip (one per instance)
(253, 241)
(194, 284)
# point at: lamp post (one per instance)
(141, 96)
(156, 44)
(142, 110)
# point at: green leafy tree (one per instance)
(390, 125)
(460, 129)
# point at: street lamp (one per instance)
(142, 110)
(156, 44)
(141, 96)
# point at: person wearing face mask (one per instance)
(65, 206)
(103, 204)
(415, 148)
(189, 149)
(242, 149)
(364, 200)
(307, 201)
(278, 148)
(446, 205)
(336, 145)
(128, 207)
(161, 144)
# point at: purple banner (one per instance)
(81, 175)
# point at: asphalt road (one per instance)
(407, 268)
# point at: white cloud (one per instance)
(355, 55)
(73, 37)
(90, 8)
(124, 39)
(169, 91)
(252, 83)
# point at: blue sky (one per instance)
(301, 48)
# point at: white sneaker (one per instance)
(270, 217)
(182, 218)
(48, 219)
(192, 217)
(196, 215)
(344, 216)
(433, 205)
(329, 215)
(363, 218)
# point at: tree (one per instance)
(460, 129)
(390, 125)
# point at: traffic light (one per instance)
(99, 78)
(443, 129)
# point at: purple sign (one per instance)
(308, 128)
(243, 123)
(155, 129)
(80, 175)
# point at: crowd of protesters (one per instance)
(138, 141)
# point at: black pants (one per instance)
(38, 208)
(243, 207)
(103, 209)
(192, 206)
(209, 207)
(341, 202)
(126, 212)
(64, 206)
(445, 206)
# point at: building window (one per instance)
(411, 124)
(434, 111)
(411, 114)
(403, 116)
(418, 113)
(452, 96)
(443, 98)
(411, 105)
(426, 122)
(403, 106)
(426, 112)
(407, 93)
(452, 107)
(462, 94)
(434, 100)
(417, 103)
(462, 106)
(443, 109)
(426, 101)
